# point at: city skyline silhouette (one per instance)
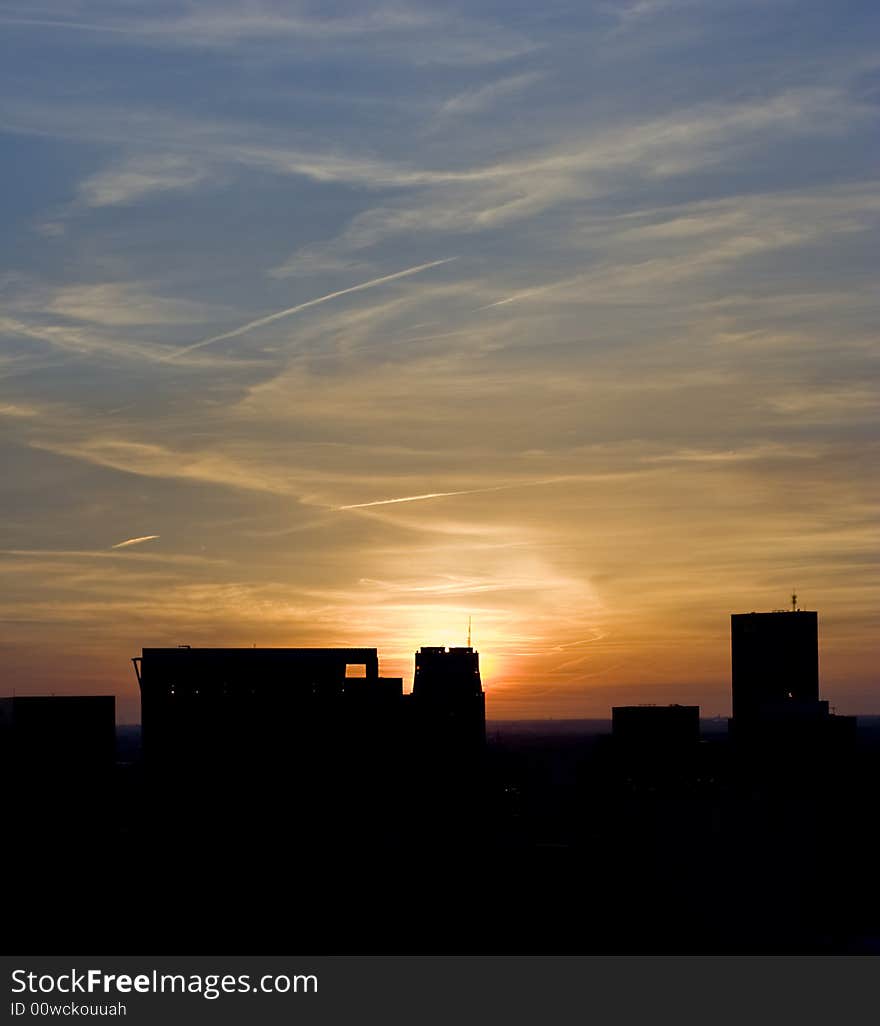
(264, 769)
(440, 495)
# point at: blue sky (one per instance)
(590, 286)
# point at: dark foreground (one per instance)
(555, 843)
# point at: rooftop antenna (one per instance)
(794, 607)
(469, 633)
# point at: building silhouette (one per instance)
(774, 662)
(792, 768)
(316, 729)
(315, 733)
(653, 759)
(296, 793)
(230, 704)
(449, 699)
(655, 727)
(448, 728)
(775, 682)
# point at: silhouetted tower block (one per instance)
(449, 699)
(785, 736)
(448, 741)
(775, 662)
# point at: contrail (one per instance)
(528, 293)
(412, 498)
(466, 491)
(134, 541)
(304, 306)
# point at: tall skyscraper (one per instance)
(776, 704)
(448, 721)
(775, 663)
(449, 698)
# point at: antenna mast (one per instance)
(794, 602)
(469, 633)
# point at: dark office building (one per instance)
(776, 704)
(775, 661)
(775, 674)
(448, 696)
(309, 723)
(653, 747)
(655, 726)
(241, 702)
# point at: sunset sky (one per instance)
(335, 324)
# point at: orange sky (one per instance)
(354, 327)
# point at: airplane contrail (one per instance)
(528, 293)
(134, 541)
(242, 329)
(466, 491)
(412, 498)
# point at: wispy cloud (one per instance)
(528, 179)
(21, 556)
(484, 97)
(397, 32)
(122, 304)
(78, 340)
(141, 175)
(145, 459)
(641, 397)
(17, 410)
